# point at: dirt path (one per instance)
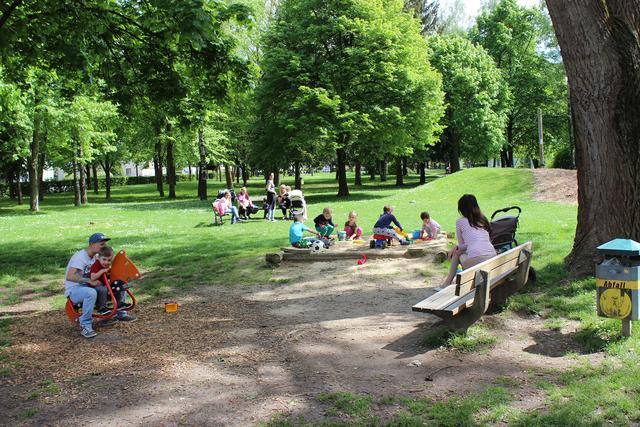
(556, 185)
(237, 356)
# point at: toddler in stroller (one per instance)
(297, 204)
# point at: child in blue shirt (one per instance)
(296, 233)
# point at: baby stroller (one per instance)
(503, 229)
(221, 194)
(298, 205)
(503, 234)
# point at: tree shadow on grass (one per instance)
(552, 343)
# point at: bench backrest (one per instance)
(500, 266)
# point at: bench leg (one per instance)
(468, 317)
(501, 293)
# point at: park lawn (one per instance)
(173, 243)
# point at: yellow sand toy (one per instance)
(401, 233)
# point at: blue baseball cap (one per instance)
(98, 237)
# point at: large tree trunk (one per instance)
(83, 178)
(157, 161)
(94, 168)
(358, 179)
(405, 168)
(18, 183)
(202, 166)
(600, 44)
(276, 177)
(422, 166)
(41, 160)
(399, 176)
(107, 177)
(227, 175)
(76, 182)
(454, 149)
(383, 170)
(371, 168)
(171, 169)
(298, 176)
(245, 174)
(87, 171)
(341, 170)
(32, 164)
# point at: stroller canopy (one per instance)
(296, 195)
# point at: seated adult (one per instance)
(283, 200)
(472, 230)
(228, 208)
(244, 203)
(81, 289)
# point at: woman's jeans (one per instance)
(234, 214)
(271, 201)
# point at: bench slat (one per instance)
(488, 265)
(451, 304)
(467, 276)
(507, 267)
(464, 279)
(437, 300)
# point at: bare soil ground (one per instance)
(239, 355)
(556, 185)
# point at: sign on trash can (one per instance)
(618, 282)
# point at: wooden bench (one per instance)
(489, 283)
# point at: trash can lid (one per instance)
(624, 247)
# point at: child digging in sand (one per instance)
(430, 228)
(296, 233)
(384, 228)
(351, 227)
(324, 223)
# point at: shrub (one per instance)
(563, 159)
(66, 185)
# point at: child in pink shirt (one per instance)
(351, 227)
(430, 228)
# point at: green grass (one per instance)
(175, 246)
(476, 338)
(346, 404)
(347, 409)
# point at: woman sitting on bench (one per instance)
(245, 206)
(228, 208)
(472, 231)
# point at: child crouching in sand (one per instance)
(296, 233)
(430, 228)
(351, 227)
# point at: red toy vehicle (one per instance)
(122, 272)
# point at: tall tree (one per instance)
(512, 34)
(600, 44)
(342, 69)
(476, 97)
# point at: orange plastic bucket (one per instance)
(171, 307)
